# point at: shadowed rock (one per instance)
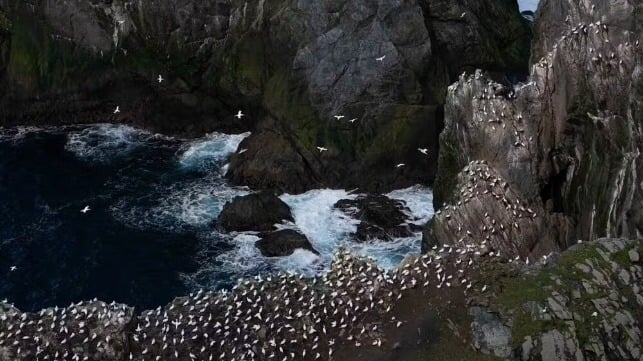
(253, 212)
(380, 217)
(283, 243)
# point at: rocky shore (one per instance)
(290, 66)
(583, 304)
(534, 253)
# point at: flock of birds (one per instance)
(282, 317)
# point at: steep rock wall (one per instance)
(289, 65)
(568, 142)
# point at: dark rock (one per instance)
(283, 243)
(271, 161)
(380, 217)
(289, 65)
(253, 212)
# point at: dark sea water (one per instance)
(62, 255)
(148, 236)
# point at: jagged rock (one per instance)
(490, 335)
(271, 161)
(380, 217)
(600, 308)
(253, 212)
(487, 209)
(563, 138)
(559, 346)
(283, 243)
(290, 65)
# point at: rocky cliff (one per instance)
(451, 304)
(533, 167)
(291, 66)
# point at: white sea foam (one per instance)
(204, 154)
(300, 261)
(325, 226)
(419, 199)
(328, 228)
(16, 134)
(104, 142)
(179, 207)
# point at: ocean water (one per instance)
(148, 236)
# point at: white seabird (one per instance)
(239, 114)
(85, 210)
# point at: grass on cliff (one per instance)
(513, 293)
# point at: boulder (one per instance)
(254, 212)
(271, 161)
(380, 217)
(283, 243)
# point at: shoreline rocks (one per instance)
(283, 243)
(379, 217)
(253, 212)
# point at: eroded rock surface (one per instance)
(567, 143)
(291, 66)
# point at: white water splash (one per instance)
(204, 154)
(105, 142)
(326, 227)
(419, 199)
(15, 135)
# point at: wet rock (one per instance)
(283, 243)
(253, 212)
(271, 161)
(380, 217)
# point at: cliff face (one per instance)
(290, 65)
(566, 145)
